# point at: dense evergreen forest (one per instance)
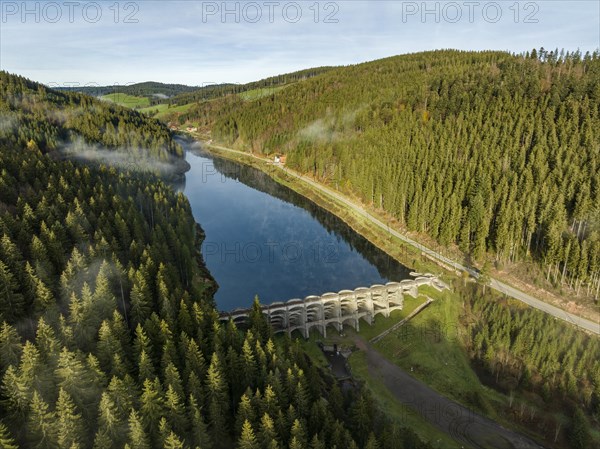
(108, 332)
(551, 363)
(71, 124)
(496, 153)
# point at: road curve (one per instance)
(575, 320)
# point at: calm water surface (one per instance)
(264, 239)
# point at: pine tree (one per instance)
(145, 368)
(316, 443)
(6, 441)
(111, 422)
(12, 303)
(137, 439)
(152, 406)
(244, 413)
(175, 411)
(200, 436)
(258, 323)
(372, 442)
(218, 409)
(247, 439)
(41, 424)
(173, 442)
(141, 298)
(10, 346)
(298, 435)
(248, 362)
(267, 436)
(579, 435)
(70, 428)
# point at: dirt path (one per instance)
(462, 424)
(502, 287)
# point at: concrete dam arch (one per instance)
(337, 309)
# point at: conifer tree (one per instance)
(6, 441)
(70, 429)
(247, 439)
(137, 438)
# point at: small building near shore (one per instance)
(279, 159)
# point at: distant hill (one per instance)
(151, 89)
(495, 153)
(220, 90)
(156, 99)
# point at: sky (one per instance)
(205, 42)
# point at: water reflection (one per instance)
(263, 238)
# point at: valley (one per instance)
(132, 218)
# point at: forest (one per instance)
(495, 154)
(109, 336)
(555, 366)
(72, 124)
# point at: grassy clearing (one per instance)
(431, 346)
(255, 94)
(399, 413)
(381, 323)
(129, 101)
(165, 111)
(154, 110)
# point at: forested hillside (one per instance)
(108, 333)
(496, 153)
(219, 90)
(72, 124)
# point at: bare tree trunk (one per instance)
(557, 431)
(522, 410)
(123, 300)
(532, 412)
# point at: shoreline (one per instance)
(403, 249)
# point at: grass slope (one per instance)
(126, 100)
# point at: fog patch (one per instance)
(133, 159)
(8, 123)
(329, 129)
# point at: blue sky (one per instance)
(194, 42)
